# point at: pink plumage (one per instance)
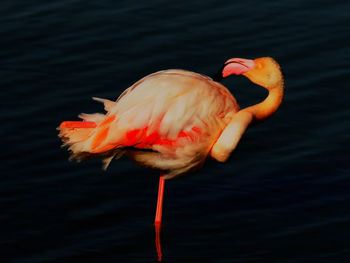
(173, 119)
(168, 120)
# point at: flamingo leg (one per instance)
(158, 218)
(157, 228)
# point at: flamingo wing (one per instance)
(165, 112)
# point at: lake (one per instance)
(283, 196)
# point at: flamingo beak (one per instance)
(236, 66)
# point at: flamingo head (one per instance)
(262, 71)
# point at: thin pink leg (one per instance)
(158, 242)
(158, 219)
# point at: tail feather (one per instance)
(107, 160)
(81, 136)
(97, 118)
(76, 134)
(75, 131)
(70, 136)
(108, 104)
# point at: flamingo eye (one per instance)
(259, 66)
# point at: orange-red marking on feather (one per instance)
(99, 137)
(139, 139)
(107, 120)
(105, 148)
(196, 130)
(132, 137)
(78, 124)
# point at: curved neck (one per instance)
(263, 110)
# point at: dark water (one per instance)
(282, 197)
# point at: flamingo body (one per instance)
(173, 119)
(168, 120)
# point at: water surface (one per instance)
(282, 197)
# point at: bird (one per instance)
(173, 120)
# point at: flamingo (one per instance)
(172, 120)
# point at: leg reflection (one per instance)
(157, 228)
(158, 218)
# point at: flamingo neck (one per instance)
(266, 108)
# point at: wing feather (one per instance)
(168, 105)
